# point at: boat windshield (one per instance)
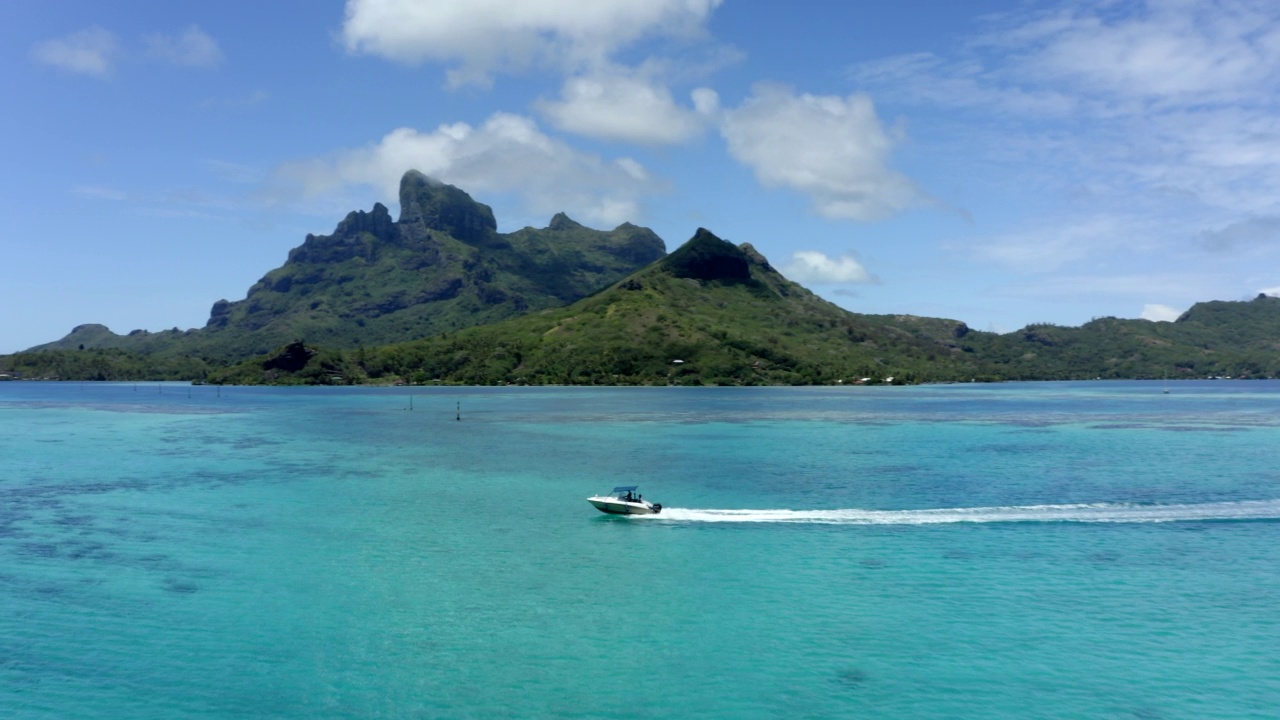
(625, 491)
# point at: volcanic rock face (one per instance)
(350, 239)
(433, 205)
(292, 358)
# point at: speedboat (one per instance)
(624, 500)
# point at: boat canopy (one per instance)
(625, 488)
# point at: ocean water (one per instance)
(1047, 550)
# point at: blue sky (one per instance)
(996, 162)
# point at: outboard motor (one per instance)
(657, 508)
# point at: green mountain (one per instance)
(709, 313)
(441, 267)
(440, 295)
(1218, 338)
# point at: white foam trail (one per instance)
(1091, 513)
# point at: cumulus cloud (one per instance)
(480, 37)
(193, 48)
(811, 266)
(833, 149)
(1160, 313)
(92, 51)
(628, 105)
(507, 154)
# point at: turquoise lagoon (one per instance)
(1049, 550)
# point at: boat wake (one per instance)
(1090, 513)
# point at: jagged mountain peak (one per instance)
(707, 257)
(563, 222)
(438, 206)
(377, 221)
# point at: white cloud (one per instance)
(481, 37)
(623, 104)
(507, 154)
(1160, 313)
(833, 149)
(1155, 100)
(811, 266)
(633, 168)
(1273, 292)
(1228, 158)
(1154, 51)
(706, 101)
(92, 51)
(193, 48)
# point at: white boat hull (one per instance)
(616, 506)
